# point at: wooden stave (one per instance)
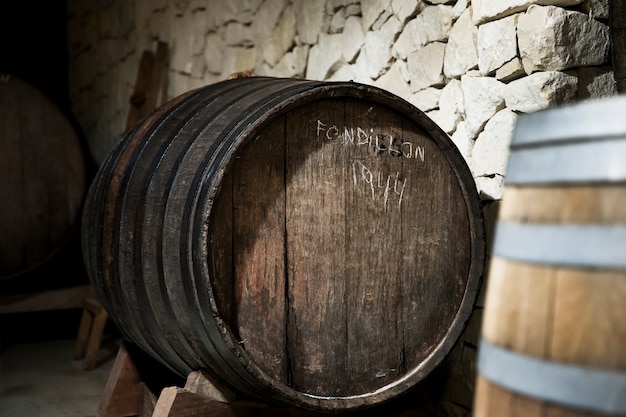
(228, 346)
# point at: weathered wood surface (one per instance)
(319, 245)
(42, 178)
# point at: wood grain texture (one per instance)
(558, 313)
(42, 178)
(313, 244)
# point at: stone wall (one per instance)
(472, 66)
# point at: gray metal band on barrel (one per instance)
(574, 386)
(603, 160)
(562, 244)
(584, 120)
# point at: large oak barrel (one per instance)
(42, 179)
(554, 327)
(308, 243)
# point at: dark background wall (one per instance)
(33, 45)
(33, 48)
(618, 42)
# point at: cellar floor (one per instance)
(42, 380)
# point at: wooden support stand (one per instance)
(90, 331)
(127, 395)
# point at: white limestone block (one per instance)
(403, 9)
(483, 97)
(427, 99)
(490, 187)
(461, 52)
(310, 19)
(237, 59)
(552, 38)
(325, 57)
(541, 90)
(431, 25)
(372, 10)
(426, 66)
(464, 142)
(512, 70)
(393, 81)
(497, 44)
(596, 82)
(267, 17)
(378, 46)
(281, 39)
(292, 64)
(451, 106)
(487, 10)
(459, 7)
(353, 38)
(597, 9)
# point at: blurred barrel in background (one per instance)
(42, 179)
(553, 332)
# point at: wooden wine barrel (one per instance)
(553, 331)
(42, 178)
(313, 244)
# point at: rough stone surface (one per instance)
(463, 142)
(497, 44)
(353, 38)
(461, 52)
(393, 81)
(378, 47)
(309, 19)
(282, 37)
(596, 82)
(491, 151)
(293, 64)
(427, 99)
(552, 39)
(598, 9)
(487, 10)
(451, 106)
(432, 24)
(512, 70)
(325, 57)
(403, 9)
(426, 66)
(372, 10)
(541, 90)
(267, 17)
(459, 7)
(483, 97)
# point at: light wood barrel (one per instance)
(554, 327)
(314, 244)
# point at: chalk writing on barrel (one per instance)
(379, 143)
(382, 187)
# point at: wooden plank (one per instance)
(123, 396)
(315, 241)
(259, 249)
(374, 251)
(178, 402)
(202, 383)
(150, 84)
(62, 299)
